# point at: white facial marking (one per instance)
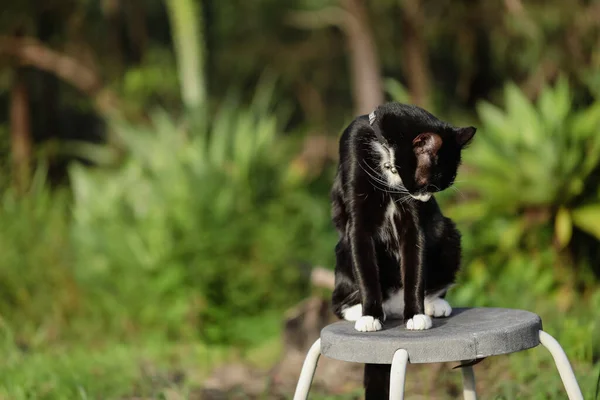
(367, 324)
(419, 322)
(387, 155)
(421, 197)
(352, 313)
(394, 306)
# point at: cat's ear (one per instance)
(464, 135)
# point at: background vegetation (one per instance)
(165, 167)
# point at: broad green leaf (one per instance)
(586, 123)
(522, 116)
(556, 112)
(495, 122)
(587, 218)
(552, 118)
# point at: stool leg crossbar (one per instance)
(400, 361)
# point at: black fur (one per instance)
(423, 254)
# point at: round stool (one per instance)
(468, 334)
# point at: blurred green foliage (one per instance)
(196, 232)
(196, 226)
(215, 220)
(526, 188)
(199, 233)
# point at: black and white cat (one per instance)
(397, 254)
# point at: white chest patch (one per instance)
(394, 306)
(388, 233)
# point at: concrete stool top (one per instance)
(468, 334)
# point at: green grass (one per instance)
(160, 369)
(109, 371)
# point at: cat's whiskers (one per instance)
(374, 182)
(399, 189)
(386, 187)
(457, 190)
(404, 199)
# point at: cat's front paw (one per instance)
(367, 323)
(437, 308)
(419, 322)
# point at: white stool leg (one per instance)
(563, 366)
(468, 378)
(308, 371)
(398, 374)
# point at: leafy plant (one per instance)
(531, 163)
(38, 294)
(203, 226)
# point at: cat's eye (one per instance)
(394, 171)
(387, 165)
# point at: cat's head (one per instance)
(423, 152)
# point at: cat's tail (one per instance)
(377, 381)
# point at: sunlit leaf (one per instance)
(523, 116)
(587, 218)
(563, 227)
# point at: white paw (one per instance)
(367, 324)
(437, 308)
(352, 313)
(419, 322)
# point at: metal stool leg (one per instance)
(308, 371)
(563, 366)
(398, 374)
(468, 378)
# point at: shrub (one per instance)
(528, 197)
(203, 226)
(529, 176)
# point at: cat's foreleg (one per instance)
(366, 273)
(443, 263)
(412, 268)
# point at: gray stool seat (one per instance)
(468, 334)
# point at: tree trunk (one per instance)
(112, 13)
(20, 133)
(138, 29)
(364, 63)
(414, 49)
